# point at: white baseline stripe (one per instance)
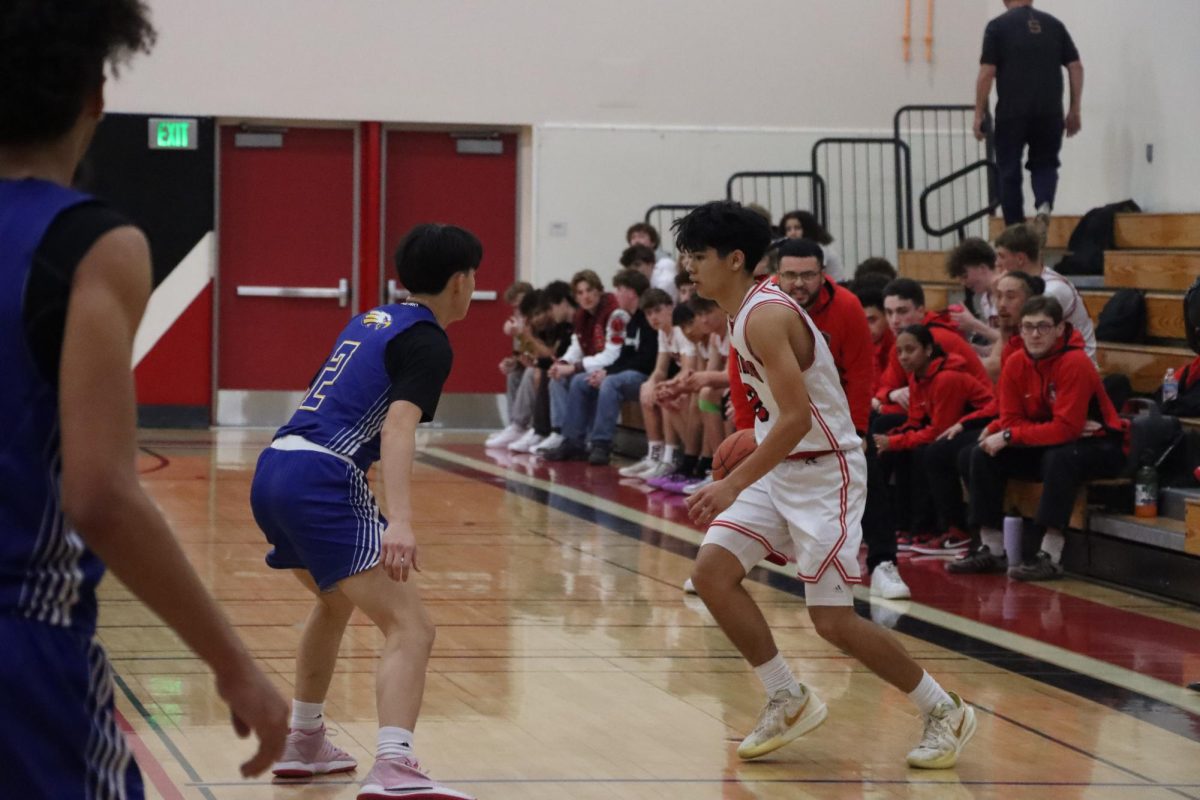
(1085, 665)
(173, 296)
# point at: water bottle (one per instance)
(1145, 491)
(1170, 386)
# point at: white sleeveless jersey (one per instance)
(832, 428)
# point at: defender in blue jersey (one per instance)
(383, 377)
(74, 280)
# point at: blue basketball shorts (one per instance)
(318, 513)
(59, 736)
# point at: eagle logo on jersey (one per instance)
(377, 319)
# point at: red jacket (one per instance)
(592, 327)
(937, 400)
(946, 334)
(1047, 402)
(837, 313)
(992, 410)
(883, 355)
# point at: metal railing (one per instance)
(869, 199)
(780, 191)
(959, 225)
(661, 216)
(956, 193)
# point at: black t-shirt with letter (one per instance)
(1029, 48)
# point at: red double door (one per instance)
(290, 255)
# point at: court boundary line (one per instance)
(1044, 663)
(174, 750)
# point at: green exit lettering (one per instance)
(172, 134)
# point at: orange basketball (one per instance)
(731, 452)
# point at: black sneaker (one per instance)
(1042, 568)
(979, 562)
(569, 450)
(601, 454)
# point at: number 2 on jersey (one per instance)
(329, 375)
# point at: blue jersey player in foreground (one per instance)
(311, 499)
(74, 281)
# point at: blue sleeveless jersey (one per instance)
(46, 572)
(345, 407)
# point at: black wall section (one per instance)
(168, 193)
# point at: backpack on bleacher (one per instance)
(1123, 318)
(1092, 236)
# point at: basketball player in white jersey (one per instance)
(798, 496)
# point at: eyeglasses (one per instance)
(1037, 327)
(807, 277)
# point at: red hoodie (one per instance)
(937, 400)
(1015, 344)
(1047, 401)
(883, 355)
(946, 334)
(837, 313)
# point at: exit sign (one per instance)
(173, 133)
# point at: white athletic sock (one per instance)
(1053, 543)
(993, 539)
(1014, 539)
(776, 675)
(668, 454)
(928, 694)
(394, 742)
(654, 453)
(307, 716)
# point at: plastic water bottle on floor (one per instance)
(1170, 386)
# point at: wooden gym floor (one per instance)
(569, 664)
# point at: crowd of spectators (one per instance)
(950, 403)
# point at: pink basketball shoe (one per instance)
(309, 753)
(401, 776)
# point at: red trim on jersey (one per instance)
(824, 427)
(773, 555)
(843, 499)
(761, 285)
(746, 323)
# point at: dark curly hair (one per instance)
(53, 52)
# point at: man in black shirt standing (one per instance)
(1024, 51)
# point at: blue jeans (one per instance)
(1043, 136)
(560, 390)
(599, 409)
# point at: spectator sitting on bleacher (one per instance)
(804, 225)
(546, 338)
(941, 392)
(1018, 247)
(685, 290)
(708, 384)
(947, 460)
(596, 341)
(595, 397)
(904, 304)
(641, 258)
(676, 353)
(870, 296)
(644, 233)
(838, 314)
(1056, 425)
(973, 264)
(680, 404)
(877, 269)
(511, 366)
(1012, 290)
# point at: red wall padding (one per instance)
(177, 371)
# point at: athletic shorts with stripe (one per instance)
(60, 736)
(318, 512)
(807, 511)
